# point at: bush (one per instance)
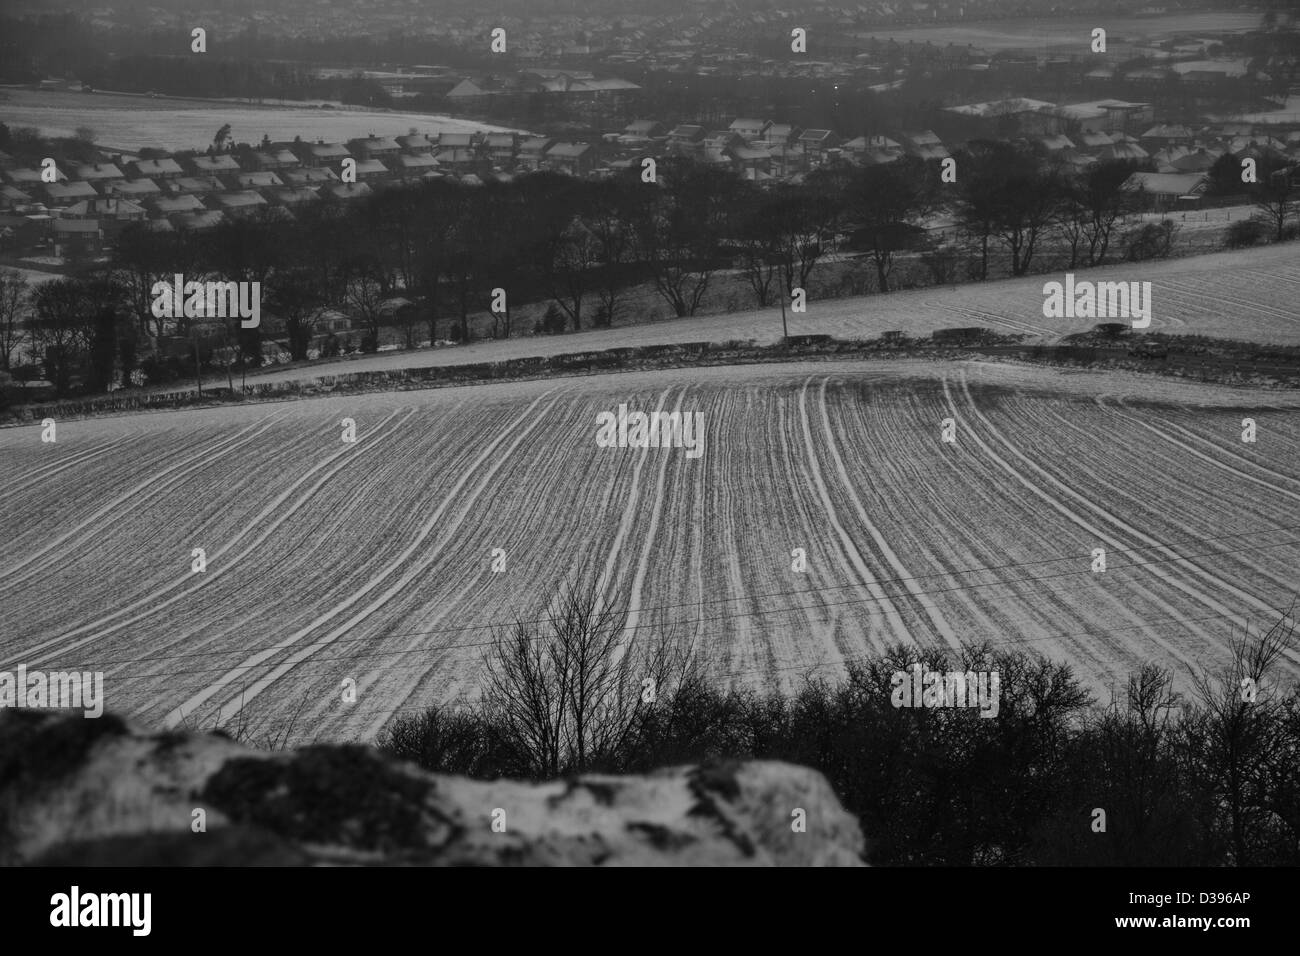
(1243, 233)
(1209, 781)
(553, 321)
(1151, 241)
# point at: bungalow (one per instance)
(32, 177)
(264, 179)
(275, 159)
(116, 210)
(416, 144)
(171, 205)
(577, 159)
(135, 189)
(156, 169)
(220, 164)
(62, 193)
(372, 170)
(194, 185)
(98, 172)
(1163, 190)
(239, 203)
(374, 147)
(413, 167)
(310, 176)
(321, 154)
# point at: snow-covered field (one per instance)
(372, 560)
(1250, 295)
(133, 122)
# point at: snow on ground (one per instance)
(1249, 295)
(133, 122)
(372, 560)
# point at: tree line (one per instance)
(418, 263)
(1206, 776)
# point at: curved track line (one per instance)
(1162, 571)
(367, 443)
(164, 479)
(847, 546)
(233, 707)
(925, 601)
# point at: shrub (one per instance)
(1150, 241)
(1243, 233)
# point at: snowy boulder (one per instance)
(76, 791)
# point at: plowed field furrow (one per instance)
(373, 561)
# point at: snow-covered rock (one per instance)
(79, 791)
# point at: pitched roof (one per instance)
(157, 167)
(92, 172)
(221, 163)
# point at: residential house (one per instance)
(750, 129)
(577, 159)
(218, 164)
(73, 236)
(264, 179)
(309, 176)
(98, 173)
(156, 169)
(275, 159)
(781, 134)
(816, 143)
(106, 209)
(1164, 190)
(321, 154)
(407, 167)
(237, 203)
(532, 152)
(134, 189)
(194, 186)
(417, 144)
(687, 140)
(61, 194)
(374, 147)
(500, 148)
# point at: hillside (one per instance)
(372, 560)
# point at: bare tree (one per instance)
(1238, 738)
(574, 689)
(13, 306)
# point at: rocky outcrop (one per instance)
(77, 791)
